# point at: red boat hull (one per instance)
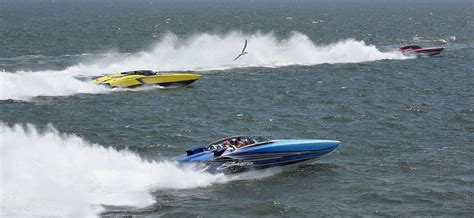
(422, 51)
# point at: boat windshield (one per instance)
(237, 142)
(139, 72)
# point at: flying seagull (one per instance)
(243, 51)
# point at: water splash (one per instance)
(46, 173)
(25, 85)
(198, 52)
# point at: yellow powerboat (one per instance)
(132, 79)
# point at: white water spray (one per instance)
(46, 173)
(198, 52)
(25, 85)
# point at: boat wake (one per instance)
(199, 52)
(46, 173)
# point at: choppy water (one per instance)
(314, 70)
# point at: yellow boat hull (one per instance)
(134, 79)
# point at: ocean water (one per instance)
(315, 69)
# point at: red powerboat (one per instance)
(420, 51)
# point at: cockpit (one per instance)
(411, 47)
(140, 72)
(237, 142)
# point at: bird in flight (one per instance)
(243, 51)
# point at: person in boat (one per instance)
(237, 142)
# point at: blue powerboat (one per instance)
(244, 153)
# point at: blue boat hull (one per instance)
(276, 153)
